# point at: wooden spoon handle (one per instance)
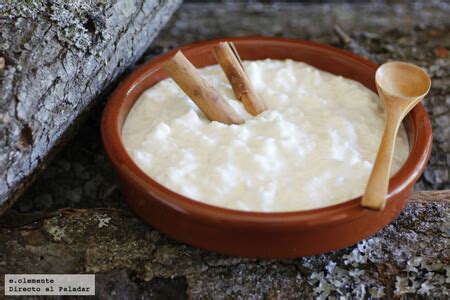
(375, 195)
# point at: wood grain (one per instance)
(430, 196)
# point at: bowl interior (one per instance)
(326, 58)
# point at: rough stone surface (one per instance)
(408, 258)
(57, 57)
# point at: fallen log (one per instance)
(131, 259)
(56, 59)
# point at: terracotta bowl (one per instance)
(254, 234)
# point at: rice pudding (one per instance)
(313, 147)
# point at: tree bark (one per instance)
(56, 58)
(131, 259)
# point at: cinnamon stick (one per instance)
(229, 60)
(200, 91)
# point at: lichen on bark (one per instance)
(79, 22)
(59, 56)
(407, 258)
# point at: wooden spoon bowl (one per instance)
(403, 80)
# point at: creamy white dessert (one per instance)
(313, 147)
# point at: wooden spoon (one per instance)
(400, 86)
